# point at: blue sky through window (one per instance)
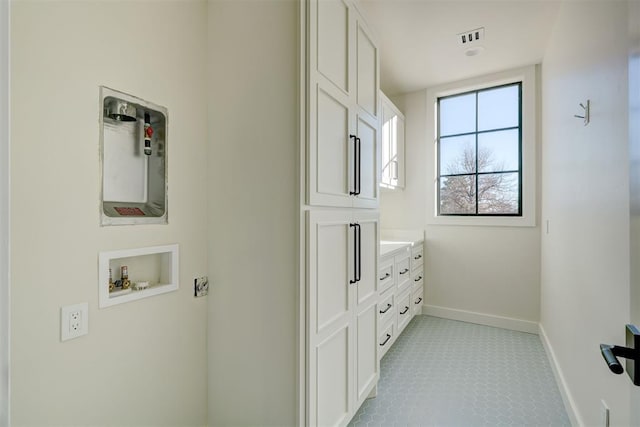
(479, 141)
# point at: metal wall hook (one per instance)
(586, 109)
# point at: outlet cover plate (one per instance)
(74, 321)
(200, 286)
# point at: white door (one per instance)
(634, 181)
(331, 269)
(330, 145)
(366, 293)
(367, 126)
(343, 367)
(368, 155)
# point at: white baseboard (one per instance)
(569, 403)
(481, 318)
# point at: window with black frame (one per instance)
(480, 152)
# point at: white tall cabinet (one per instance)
(343, 107)
(342, 163)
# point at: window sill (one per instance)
(484, 221)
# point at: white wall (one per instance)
(4, 213)
(144, 362)
(253, 187)
(478, 273)
(585, 255)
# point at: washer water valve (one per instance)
(148, 133)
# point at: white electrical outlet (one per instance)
(74, 321)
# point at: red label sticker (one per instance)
(129, 211)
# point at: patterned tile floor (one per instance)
(447, 373)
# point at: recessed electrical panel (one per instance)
(133, 158)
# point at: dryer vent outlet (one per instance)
(471, 37)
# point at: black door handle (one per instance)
(610, 353)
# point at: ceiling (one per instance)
(419, 44)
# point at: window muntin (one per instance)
(480, 152)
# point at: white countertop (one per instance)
(389, 246)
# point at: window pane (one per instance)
(458, 114)
(458, 195)
(498, 108)
(499, 151)
(458, 155)
(498, 193)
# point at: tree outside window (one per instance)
(480, 152)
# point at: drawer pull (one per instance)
(405, 271)
(417, 279)
(405, 310)
(419, 300)
(385, 341)
(386, 309)
(417, 256)
(385, 276)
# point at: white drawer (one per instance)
(404, 272)
(417, 300)
(417, 256)
(386, 339)
(386, 309)
(386, 278)
(417, 279)
(404, 310)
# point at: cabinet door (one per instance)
(366, 292)
(331, 308)
(369, 161)
(367, 81)
(366, 110)
(330, 149)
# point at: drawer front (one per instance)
(404, 310)
(417, 300)
(386, 309)
(386, 278)
(417, 256)
(386, 339)
(417, 279)
(403, 272)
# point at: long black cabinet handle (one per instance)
(385, 276)
(405, 271)
(355, 253)
(356, 165)
(405, 310)
(359, 175)
(419, 300)
(417, 256)
(385, 341)
(359, 229)
(417, 279)
(386, 309)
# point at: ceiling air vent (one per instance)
(471, 37)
